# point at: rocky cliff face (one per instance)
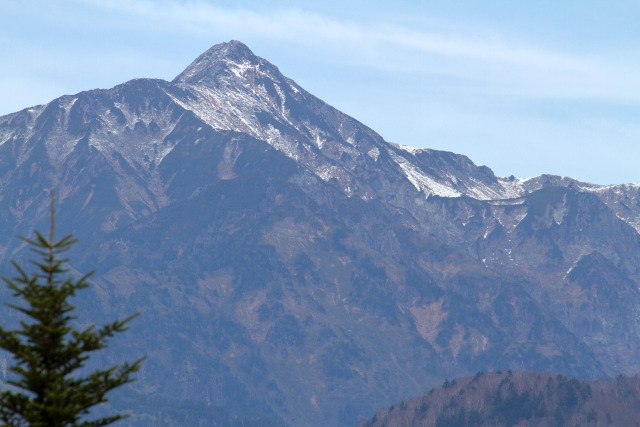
(290, 263)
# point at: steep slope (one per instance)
(292, 266)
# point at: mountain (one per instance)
(293, 268)
(518, 398)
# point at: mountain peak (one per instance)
(216, 61)
(233, 50)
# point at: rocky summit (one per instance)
(292, 268)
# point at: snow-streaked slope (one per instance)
(229, 88)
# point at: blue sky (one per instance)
(523, 87)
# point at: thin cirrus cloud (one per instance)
(496, 58)
(303, 26)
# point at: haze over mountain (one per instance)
(293, 268)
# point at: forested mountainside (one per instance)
(518, 399)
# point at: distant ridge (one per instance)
(518, 398)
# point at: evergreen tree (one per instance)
(48, 387)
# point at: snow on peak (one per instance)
(217, 60)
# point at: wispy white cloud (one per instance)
(297, 24)
(520, 68)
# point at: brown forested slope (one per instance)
(518, 399)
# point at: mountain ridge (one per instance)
(518, 398)
(221, 59)
(289, 262)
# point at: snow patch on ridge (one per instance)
(326, 172)
(420, 180)
(240, 68)
(59, 143)
(412, 150)
(513, 188)
(150, 147)
(468, 185)
(26, 133)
